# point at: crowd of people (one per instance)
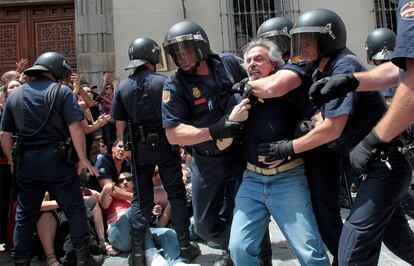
(151, 163)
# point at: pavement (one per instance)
(281, 253)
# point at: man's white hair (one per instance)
(274, 54)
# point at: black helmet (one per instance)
(380, 45)
(187, 34)
(143, 50)
(52, 62)
(277, 31)
(321, 25)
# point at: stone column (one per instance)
(94, 39)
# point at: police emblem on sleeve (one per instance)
(407, 11)
(196, 92)
(165, 96)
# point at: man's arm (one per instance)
(120, 125)
(116, 192)
(401, 112)
(382, 77)
(184, 134)
(7, 144)
(78, 139)
(276, 85)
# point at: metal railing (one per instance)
(240, 19)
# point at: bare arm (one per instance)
(106, 198)
(7, 144)
(120, 125)
(117, 192)
(382, 77)
(401, 113)
(187, 135)
(276, 85)
(330, 129)
(102, 120)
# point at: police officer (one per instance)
(196, 105)
(321, 164)
(319, 37)
(138, 100)
(43, 113)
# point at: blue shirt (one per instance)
(277, 118)
(364, 108)
(132, 100)
(201, 101)
(404, 47)
(26, 108)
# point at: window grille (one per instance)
(240, 19)
(385, 14)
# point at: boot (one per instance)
(224, 259)
(189, 250)
(136, 256)
(84, 257)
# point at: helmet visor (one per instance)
(184, 54)
(304, 47)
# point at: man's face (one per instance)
(186, 58)
(258, 63)
(125, 182)
(118, 152)
(305, 47)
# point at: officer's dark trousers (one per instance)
(169, 164)
(44, 170)
(322, 171)
(215, 180)
(376, 216)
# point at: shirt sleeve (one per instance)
(104, 169)
(174, 107)
(404, 47)
(71, 111)
(118, 111)
(7, 120)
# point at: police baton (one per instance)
(134, 157)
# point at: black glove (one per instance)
(224, 128)
(362, 153)
(277, 150)
(330, 88)
(239, 86)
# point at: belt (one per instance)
(207, 152)
(272, 171)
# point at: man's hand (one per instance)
(273, 151)
(239, 86)
(334, 87)
(362, 153)
(224, 128)
(22, 65)
(85, 164)
(75, 79)
(240, 112)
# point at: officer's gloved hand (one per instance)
(239, 86)
(277, 150)
(330, 88)
(224, 128)
(361, 153)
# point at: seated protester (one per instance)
(53, 232)
(162, 208)
(119, 227)
(109, 167)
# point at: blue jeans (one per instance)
(119, 236)
(286, 197)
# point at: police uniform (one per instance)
(376, 214)
(133, 102)
(201, 101)
(43, 167)
(262, 194)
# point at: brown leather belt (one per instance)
(272, 171)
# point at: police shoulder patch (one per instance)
(407, 11)
(165, 96)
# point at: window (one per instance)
(240, 19)
(385, 14)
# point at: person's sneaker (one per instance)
(191, 251)
(154, 258)
(224, 259)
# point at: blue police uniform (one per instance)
(263, 195)
(404, 47)
(322, 170)
(43, 167)
(133, 101)
(376, 206)
(201, 101)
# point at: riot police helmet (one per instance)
(322, 28)
(52, 62)
(187, 36)
(277, 30)
(142, 51)
(380, 45)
